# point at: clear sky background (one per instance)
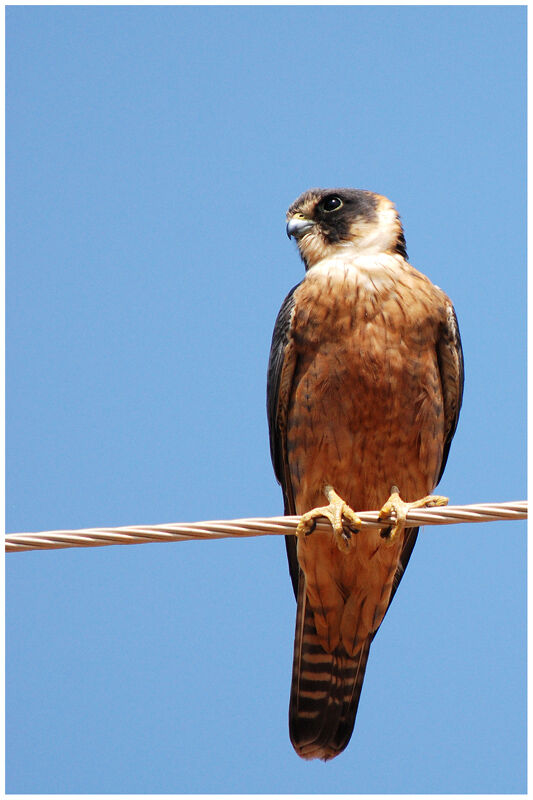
(151, 155)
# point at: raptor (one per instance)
(365, 383)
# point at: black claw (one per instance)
(347, 531)
(312, 528)
(386, 532)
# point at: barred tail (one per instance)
(325, 689)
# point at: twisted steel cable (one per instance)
(219, 529)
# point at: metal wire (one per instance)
(219, 529)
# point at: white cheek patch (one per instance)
(369, 250)
(379, 236)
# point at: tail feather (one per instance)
(325, 689)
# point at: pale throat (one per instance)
(370, 251)
(368, 259)
(372, 272)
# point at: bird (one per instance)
(364, 389)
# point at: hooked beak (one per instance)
(297, 226)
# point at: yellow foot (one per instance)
(343, 519)
(396, 506)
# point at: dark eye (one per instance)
(331, 203)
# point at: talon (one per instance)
(398, 509)
(352, 528)
(343, 519)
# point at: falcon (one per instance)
(365, 383)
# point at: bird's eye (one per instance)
(331, 203)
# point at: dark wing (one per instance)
(281, 366)
(452, 377)
(451, 369)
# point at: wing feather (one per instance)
(281, 367)
(451, 368)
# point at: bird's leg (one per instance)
(398, 508)
(343, 519)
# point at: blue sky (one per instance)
(151, 153)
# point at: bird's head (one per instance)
(327, 221)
